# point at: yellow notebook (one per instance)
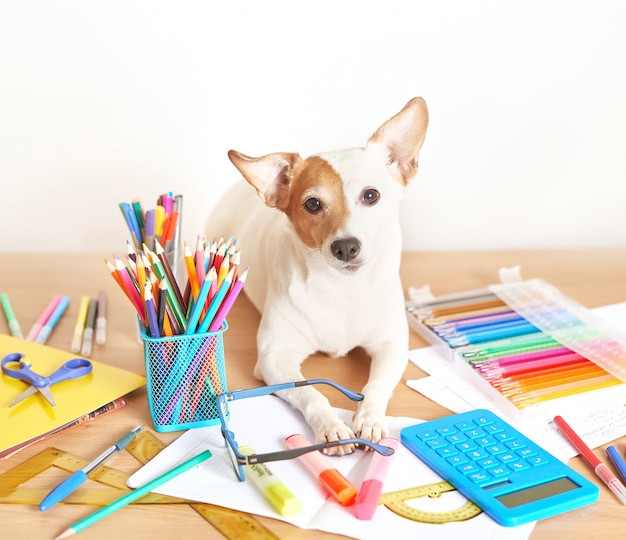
(74, 398)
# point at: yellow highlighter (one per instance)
(271, 486)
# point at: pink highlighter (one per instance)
(372, 486)
(330, 478)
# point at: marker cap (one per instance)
(283, 500)
(367, 499)
(338, 485)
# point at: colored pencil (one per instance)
(201, 268)
(228, 302)
(161, 303)
(192, 274)
(151, 312)
(160, 252)
(171, 294)
(198, 307)
(215, 303)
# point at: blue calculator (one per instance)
(503, 472)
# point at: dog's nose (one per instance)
(345, 249)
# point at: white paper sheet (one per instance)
(264, 423)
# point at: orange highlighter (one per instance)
(329, 477)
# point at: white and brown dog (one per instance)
(324, 252)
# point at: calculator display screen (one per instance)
(537, 493)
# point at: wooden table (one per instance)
(593, 277)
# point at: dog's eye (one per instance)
(313, 205)
(370, 196)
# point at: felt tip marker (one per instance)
(271, 486)
(372, 486)
(617, 461)
(605, 474)
(329, 477)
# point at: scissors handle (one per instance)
(23, 373)
(72, 369)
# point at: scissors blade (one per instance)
(45, 390)
(27, 393)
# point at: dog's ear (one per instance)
(270, 175)
(402, 136)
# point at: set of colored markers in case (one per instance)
(529, 347)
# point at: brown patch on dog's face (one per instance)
(317, 204)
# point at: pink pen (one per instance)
(372, 486)
(43, 318)
(330, 478)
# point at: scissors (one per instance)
(72, 369)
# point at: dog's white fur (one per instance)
(311, 299)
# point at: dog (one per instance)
(323, 241)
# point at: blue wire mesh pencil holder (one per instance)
(184, 376)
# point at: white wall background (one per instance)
(105, 101)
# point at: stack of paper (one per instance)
(34, 416)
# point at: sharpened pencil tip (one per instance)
(65, 534)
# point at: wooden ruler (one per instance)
(233, 524)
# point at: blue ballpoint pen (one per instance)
(69, 485)
(617, 461)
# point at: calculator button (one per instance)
(464, 425)
(446, 430)
(526, 452)
(518, 466)
(425, 435)
(436, 443)
(500, 471)
(479, 477)
(457, 460)
(503, 437)
(493, 428)
(446, 451)
(487, 463)
(466, 446)
(468, 468)
(485, 441)
(483, 421)
(504, 458)
(496, 449)
(538, 460)
(477, 454)
(474, 433)
(514, 445)
(456, 438)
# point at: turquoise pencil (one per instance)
(133, 495)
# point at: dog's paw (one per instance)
(334, 431)
(369, 427)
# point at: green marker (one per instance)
(14, 325)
